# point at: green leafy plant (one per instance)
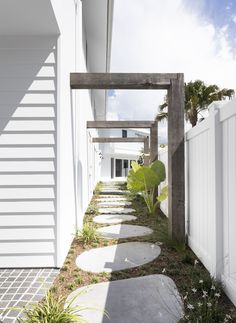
(205, 307)
(97, 188)
(52, 310)
(88, 234)
(92, 209)
(145, 180)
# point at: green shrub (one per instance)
(52, 310)
(98, 188)
(202, 301)
(92, 209)
(145, 180)
(88, 234)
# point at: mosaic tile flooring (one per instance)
(19, 287)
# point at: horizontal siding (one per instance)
(25, 180)
(32, 152)
(26, 193)
(26, 71)
(9, 234)
(37, 85)
(27, 139)
(26, 166)
(25, 220)
(24, 261)
(30, 125)
(28, 98)
(27, 207)
(25, 247)
(27, 111)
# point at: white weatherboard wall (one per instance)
(211, 182)
(44, 144)
(28, 95)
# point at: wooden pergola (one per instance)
(152, 125)
(174, 84)
(144, 140)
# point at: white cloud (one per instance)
(234, 18)
(165, 36)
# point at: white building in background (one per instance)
(48, 167)
(117, 157)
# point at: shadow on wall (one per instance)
(28, 99)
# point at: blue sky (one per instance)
(220, 13)
(194, 37)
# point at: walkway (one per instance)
(146, 299)
(21, 287)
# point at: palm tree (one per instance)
(198, 96)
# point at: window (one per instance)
(124, 133)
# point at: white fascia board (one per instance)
(97, 22)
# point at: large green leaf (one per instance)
(163, 194)
(135, 166)
(134, 184)
(159, 169)
(147, 176)
(142, 180)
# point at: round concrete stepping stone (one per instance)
(120, 231)
(113, 192)
(148, 299)
(118, 257)
(114, 203)
(115, 210)
(111, 199)
(113, 218)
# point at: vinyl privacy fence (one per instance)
(211, 193)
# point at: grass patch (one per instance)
(52, 309)
(88, 234)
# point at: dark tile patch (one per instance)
(21, 287)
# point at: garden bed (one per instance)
(176, 261)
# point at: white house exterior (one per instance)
(117, 157)
(48, 167)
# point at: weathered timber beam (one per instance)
(135, 81)
(146, 151)
(154, 142)
(176, 171)
(119, 124)
(116, 139)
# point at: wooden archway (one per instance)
(174, 84)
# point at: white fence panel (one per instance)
(228, 121)
(211, 182)
(200, 232)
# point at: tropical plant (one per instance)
(88, 234)
(145, 180)
(198, 96)
(52, 310)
